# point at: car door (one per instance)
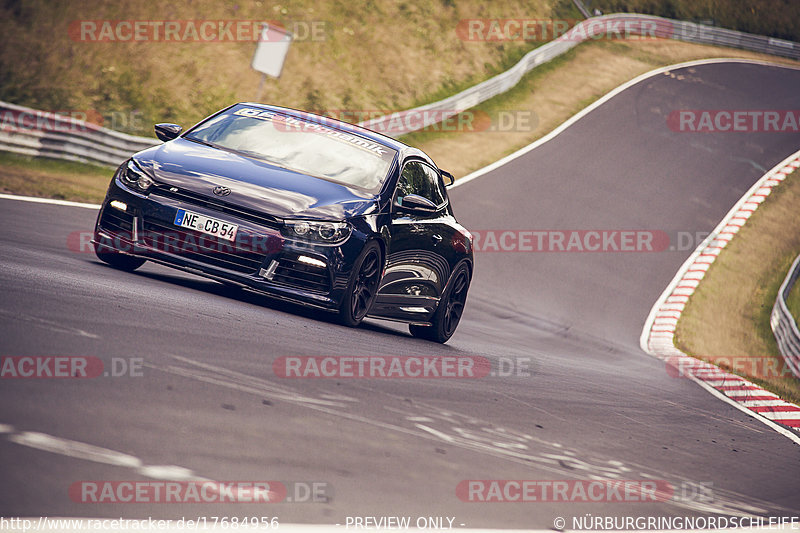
(419, 249)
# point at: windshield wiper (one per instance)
(201, 141)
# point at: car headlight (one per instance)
(322, 232)
(135, 178)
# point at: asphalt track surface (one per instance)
(593, 405)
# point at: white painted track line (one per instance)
(50, 201)
(594, 105)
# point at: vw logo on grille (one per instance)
(221, 191)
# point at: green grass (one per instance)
(775, 18)
(48, 178)
(728, 316)
(501, 102)
(53, 165)
(549, 94)
(511, 55)
(372, 55)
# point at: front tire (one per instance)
(362, 287)
(448, 314)
(117, 260)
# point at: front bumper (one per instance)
(260, 257)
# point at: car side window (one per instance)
(420, 179)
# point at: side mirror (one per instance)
(167, 132)
(447, 176)
(415, 202)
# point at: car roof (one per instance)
(403, 149)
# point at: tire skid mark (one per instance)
(465, 432)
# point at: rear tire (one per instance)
(362, 287)
(448, 314)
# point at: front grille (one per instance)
(206, 248)
(293, 273)
(192, 198)
(117, 222)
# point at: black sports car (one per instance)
(299, 207)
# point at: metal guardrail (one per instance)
(31, 132)
(592, 28)
(67, 138)
(783, 324)
(582, 8)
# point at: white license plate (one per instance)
(207, 225)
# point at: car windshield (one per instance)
(302, 146)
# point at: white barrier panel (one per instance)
(39, 133)
(590, 29)
(783, 324)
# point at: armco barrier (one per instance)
(783, 324)
(582, 8)
(76, 140)
(30, 132)
(595, 27)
